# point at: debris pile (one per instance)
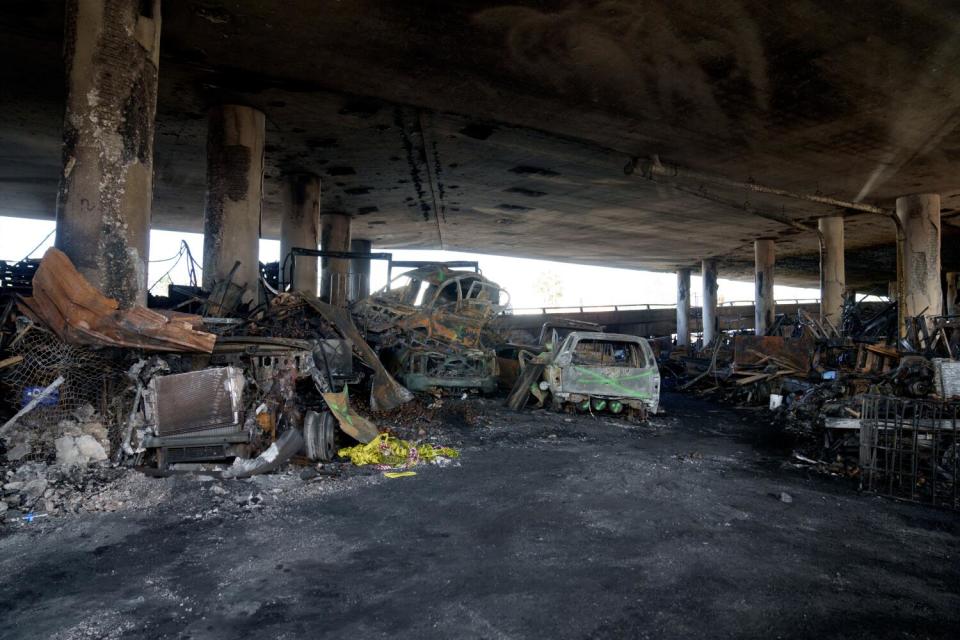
(816, 379)
(242, 388)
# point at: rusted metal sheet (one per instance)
(78, 313)
(439, 302)
(797, 352)
(434, 318)
(351, 422)
(385, 392)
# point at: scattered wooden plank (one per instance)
(9, 362)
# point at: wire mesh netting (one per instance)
(93, 386)
(909, 449)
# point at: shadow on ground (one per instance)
(551, 527)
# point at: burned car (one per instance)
(593, 371)
(428, 325)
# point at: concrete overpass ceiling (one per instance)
(504, 128)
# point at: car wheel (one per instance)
(319, 435)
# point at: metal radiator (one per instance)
(208, 401)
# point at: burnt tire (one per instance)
(319, 436)
(555, 404)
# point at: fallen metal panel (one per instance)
(385, 392)
(78, 313)
(351, 422)
(947, 377)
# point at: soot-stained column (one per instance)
(711, 323)
(231, 218)
(300, 227)
(920, 219)
(112, 50)
(952, 307)
(335, 276)
(360, 277)
(833, 280)
(764, 308)
(683, 307)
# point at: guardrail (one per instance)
(637, 307)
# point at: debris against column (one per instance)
(112, 51)
(71, 307)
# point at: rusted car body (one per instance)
(603, 372)
(428, 325)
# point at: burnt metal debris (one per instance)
(210, 381)
(431, 325)
(578, 367)
(207, 380)
(857, 400)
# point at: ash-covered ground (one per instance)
(547, 526)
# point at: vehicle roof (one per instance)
(438, 274)
(611, 337)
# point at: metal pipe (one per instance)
(653, 168)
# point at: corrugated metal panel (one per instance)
(199, 401)
(947, 375)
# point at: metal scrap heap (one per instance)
(854, 401)
(430, 326)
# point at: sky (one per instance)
(531, 283)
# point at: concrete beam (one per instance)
(231, 218)
(952, 306)
(335, 276)
(112, 49)
(360, 280)
(300, 227)
(833, 271)
(711, 323)
(919, 217)
(763, 301)
(683, 307)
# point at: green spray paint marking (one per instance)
(614, 383)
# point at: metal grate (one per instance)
(909, 449)
(93, 378)
(197, 401)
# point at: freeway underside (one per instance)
(505, 128)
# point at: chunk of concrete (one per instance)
(78, 450)
(19, 452)
(34, 489)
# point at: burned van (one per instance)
(603, 372)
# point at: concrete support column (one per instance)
(764, 308)
(711, 321)
(300, 227)
(112, 51)
(919, 217)
(231, 218)
(952, 303)
(360, 279)
(335, 277)
(833, 280)
(683, 307)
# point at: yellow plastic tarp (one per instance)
(389, 451)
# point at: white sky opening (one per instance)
(531, 283)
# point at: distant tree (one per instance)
(550, 287)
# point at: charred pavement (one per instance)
(552, 526)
